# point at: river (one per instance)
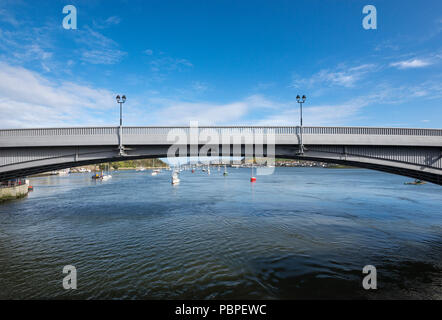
(298, 233)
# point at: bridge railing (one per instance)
(59, 131)
(292, 130)
(220, 130)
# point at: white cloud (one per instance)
(389, 94)
(199, 86)
(412, 63)
(26, 45)
(30, 100)
(149, 52)
(163, 111)
(97, 48)
(167, 64)
(170, 112)
(106, 23)
(252, 110)
(8, 17)
(316, 115)
(341, 76)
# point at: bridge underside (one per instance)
(423, 163)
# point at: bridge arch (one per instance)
(415, 153)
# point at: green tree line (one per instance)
(149, 163)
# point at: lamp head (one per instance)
(118, 98)
(124, 98)
(298, 97)
(303, 98)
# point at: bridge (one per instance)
(415, 153)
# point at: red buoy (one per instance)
(252, 179)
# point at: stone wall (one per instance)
(13, 192)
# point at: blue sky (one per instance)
(221, 62)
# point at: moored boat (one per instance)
(175, 177)
(416, 182)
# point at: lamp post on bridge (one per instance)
(121, 100)
(301, 100)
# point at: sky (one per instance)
(221, 62)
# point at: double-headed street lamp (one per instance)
(301, 100)
(121, 100)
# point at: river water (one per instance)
(298, 233)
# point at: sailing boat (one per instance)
(106, 176)
(208, 169)
(155, 171)
(175, 177)
(225, 170)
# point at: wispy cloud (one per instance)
(8, 17)
(165, 111)
(199, 86)
(106, 23)
(27, 45)
(169, 64)
(97, 48)
(341, 76)
(387, 45)
(390, 94)
(252, 110)
(316, 115)
(412, 63)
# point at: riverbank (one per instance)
(147, 168)
(15, 192)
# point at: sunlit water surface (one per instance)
(299, 233)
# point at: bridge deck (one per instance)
(415, 153)
(95, 136)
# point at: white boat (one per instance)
(175, 178)
(155, 172)
(63, 172)
(106, 176)
(140, 169)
